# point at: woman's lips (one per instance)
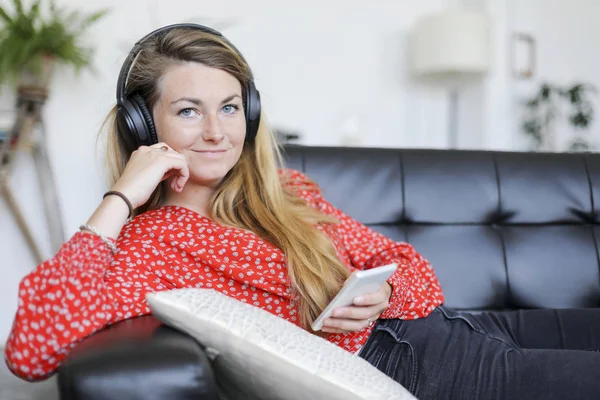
(211, 153)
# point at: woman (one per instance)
(197, 168)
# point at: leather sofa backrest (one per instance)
(502, 230)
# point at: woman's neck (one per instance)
(195, 197)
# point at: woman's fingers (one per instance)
(345, 325)
(147, 167)
(178, 172)
(378, 297)
(348, 319)
(162, 146)
(356, 313)
(366, 309)
(176, 168)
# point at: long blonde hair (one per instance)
(251, 196)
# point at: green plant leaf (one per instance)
(580, 119)
(18, 6)
(26, 36)
(35, 11)
(545, 91)
(545, 108)
(5, 16)
(91, 19)
(574, 93)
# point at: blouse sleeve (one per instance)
(415, 287)
(78, 292)
(61, 301)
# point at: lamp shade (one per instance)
(451, 43)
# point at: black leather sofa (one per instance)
(503, 231)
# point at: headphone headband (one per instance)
(137, 47)
(134, 118)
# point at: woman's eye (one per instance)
(187, 112)
(230, 108)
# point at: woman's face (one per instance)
(200, 114)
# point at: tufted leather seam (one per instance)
(594, 238)
(589, 179)
(498, 186)
(500, 232)
(505, 260)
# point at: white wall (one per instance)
(498, 108)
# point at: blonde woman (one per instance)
(198, 200)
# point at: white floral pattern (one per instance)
(84, 287)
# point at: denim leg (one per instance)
(451, 356)
(391, 355)
(554, 374)
(574, 329)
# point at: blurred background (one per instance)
(514, 75)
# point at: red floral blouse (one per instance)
(85, 287)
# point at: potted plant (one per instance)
(31, 44)
(549, 103)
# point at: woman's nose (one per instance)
(212, 129)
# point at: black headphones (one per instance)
(134, 118)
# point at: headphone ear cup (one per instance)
(252, 110)
(135, 123)
(147, 131)
(126, 126)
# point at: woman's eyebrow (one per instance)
(199, 102)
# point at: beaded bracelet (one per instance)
(95, 231)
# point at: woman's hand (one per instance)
(366, 309)
(147, 168)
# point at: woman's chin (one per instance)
(208, 178)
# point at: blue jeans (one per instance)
(529, 354)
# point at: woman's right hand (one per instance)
(147, 168)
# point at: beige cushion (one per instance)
(258, 355)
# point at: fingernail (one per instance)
(359, 300)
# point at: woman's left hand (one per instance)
(364, 312)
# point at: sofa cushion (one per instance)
(258, 355)
(503, 230)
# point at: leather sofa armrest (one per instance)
(137, 359)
